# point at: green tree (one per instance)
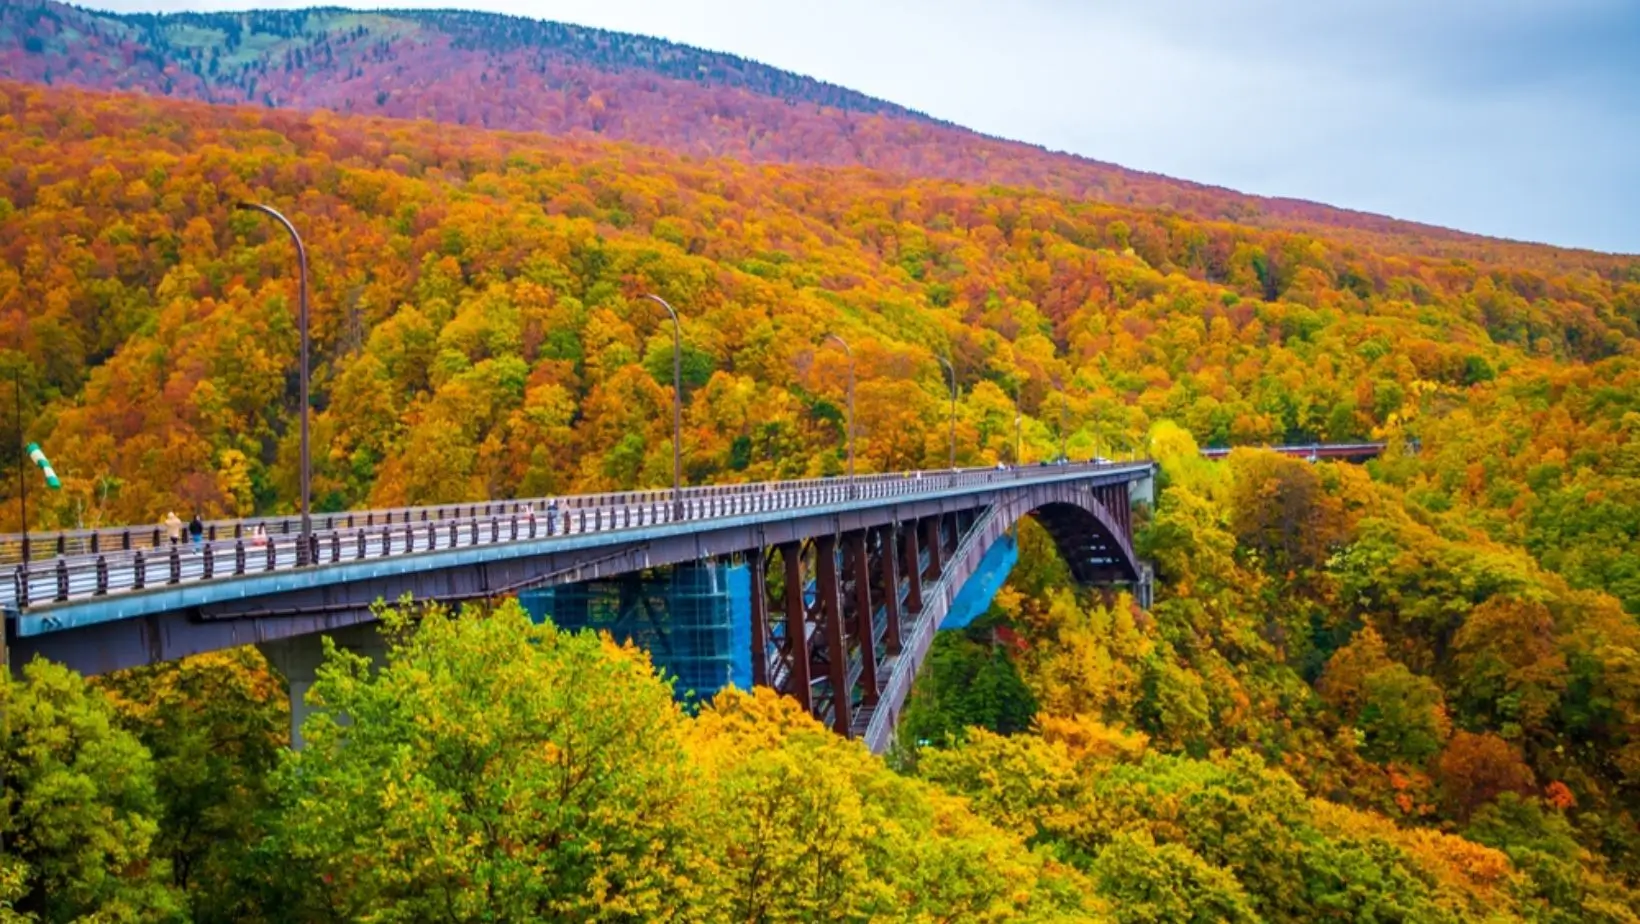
(491, 769)
(215, 725)
(1401, 715)
(1149, 882)
(809, 827)
(968, 680)
(1281, 512)
(80, 809)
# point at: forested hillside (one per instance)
(1316, 632)
(477, 332)
(489, 71)
(1408, 691)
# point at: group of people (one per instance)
(174, 528)
(195, 530)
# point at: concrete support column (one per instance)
(934, 543)
(298, 659)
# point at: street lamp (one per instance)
(22, 479)
(844, 344)
(305, 549)
(677, 408)
(946, 363)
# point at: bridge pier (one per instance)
(1144, 587)
(864, 622)
(696, 619)
(799, 678)
(831, 615)
(888, 556)
(298, 658)
(760, 617)
(913, 569)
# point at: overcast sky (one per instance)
(1516, 118)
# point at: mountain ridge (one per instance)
(490, 70)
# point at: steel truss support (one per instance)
(934, 543)
(887, 558)
(799, 683)
(913, 568)
(756, 565)
(828, 590)
(862, 625)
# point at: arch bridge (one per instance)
(850, 578)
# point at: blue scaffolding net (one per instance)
(694, 620)
(975, 596)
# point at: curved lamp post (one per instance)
(844, 344)
(946, 363)
(305, 548)
(22, 478)
(677, 407)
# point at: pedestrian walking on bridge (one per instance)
(173, 526)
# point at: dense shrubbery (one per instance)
(491, 769)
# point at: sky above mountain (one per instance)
(1515, 118)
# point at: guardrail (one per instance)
(154, 561)
(56, 543)
(1312, 450)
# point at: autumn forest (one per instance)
(1401, 691)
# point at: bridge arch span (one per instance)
(1090, 524)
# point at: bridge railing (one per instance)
(338, 538)
(1315, 450)
(129, 538)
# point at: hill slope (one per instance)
(495, 71)
(476, 333)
